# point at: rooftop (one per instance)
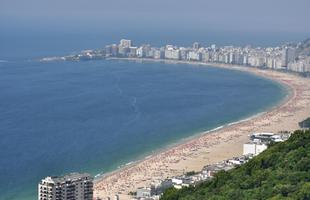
(65, 178)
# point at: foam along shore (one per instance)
(211, 146)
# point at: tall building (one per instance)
(183, 53)
(108, 50)
(159, 54)
(123, 51)
(288, 55)
(114, 50)
(172, 53)
(194, 55)
(144, 51)
(125, 43)
(291, 54)
(124, 47)
(74, 186)
(196, 45)
(132, 52)
(213, 47)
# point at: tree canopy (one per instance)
(280, 172)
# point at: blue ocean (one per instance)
(94, 116)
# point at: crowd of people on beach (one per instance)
(211, 147)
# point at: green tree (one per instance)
(280, 172)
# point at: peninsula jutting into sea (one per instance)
(294, 57)
(198, 158)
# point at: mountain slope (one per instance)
(304, 48)
(280, 172)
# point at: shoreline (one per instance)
(104, 185)
(196, 135)
(181, 141)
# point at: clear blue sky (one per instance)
(244, 15)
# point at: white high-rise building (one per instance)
(74, 186)
(194, 55)
(125, 43)
(196, 45)
(288, 55)
(172, 53)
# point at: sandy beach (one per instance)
(214, 146)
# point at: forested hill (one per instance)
(280, 172)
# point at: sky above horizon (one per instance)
(237, 15)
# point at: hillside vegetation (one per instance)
(304, 48)
(280, 172)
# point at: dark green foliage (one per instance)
(132, 193)
(280, 172)
(191, 173)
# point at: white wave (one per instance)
(246, 119)
(215, 129)
(129, 163)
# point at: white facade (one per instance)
(173, 54)
(74, 186)
(125, 43)
(253, 148)
(177, 181)
(133, 51)
(193, 55)
(140, 52)
(205, 56)
(302, 65)
(158, 54)
(144, 192)
(256, 61)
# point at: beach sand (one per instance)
(214, 146)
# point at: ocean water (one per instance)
(94, 116)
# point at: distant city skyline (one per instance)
(287, 57)
(238, 15)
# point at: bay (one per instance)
(94, 116)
